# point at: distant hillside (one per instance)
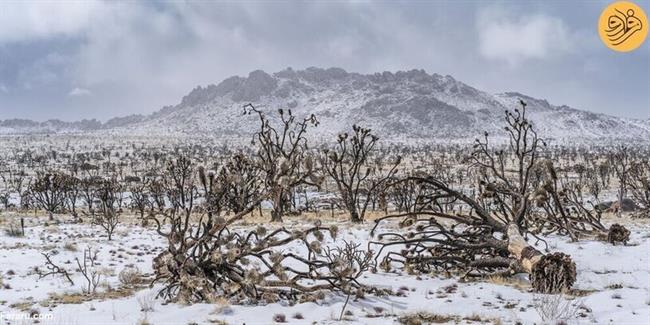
(402, 106)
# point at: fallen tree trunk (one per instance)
(432, 246)
(488, 239)
(550, 273)
(565, 213)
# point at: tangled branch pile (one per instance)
(207, 258)
(207, 263)
(486, 233)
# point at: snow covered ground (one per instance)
(613, 286)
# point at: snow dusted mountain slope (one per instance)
(401, 106)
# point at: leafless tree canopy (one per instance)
(488, 235)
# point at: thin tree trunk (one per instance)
(354, 213)
(621, 197)
(278, 207)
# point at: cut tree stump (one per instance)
(552, 273)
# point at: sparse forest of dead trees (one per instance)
(470, 212)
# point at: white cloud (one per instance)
(79, 92)
(138, 56)
(168, 52)
(514, 39)
(4, 89)
(31, 20)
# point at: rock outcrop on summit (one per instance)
(400, 106)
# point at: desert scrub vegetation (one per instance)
(131, 276)
(423, 317)
(14, 230)
(556, 308)
(468, 243)
(479, 213)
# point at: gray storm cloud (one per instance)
(97, 59)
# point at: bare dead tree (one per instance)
(567, 213)
(181, 189)
(206, 259)
(4, 199)
(109, 212)
(88, 186)
(350, 263)
(139, 196)
(639, 187)
(281, 155)
(489, 237)
(53, 269)
(242, 180)
(349, 164)
(90, 170)
(14, 180)
(88, 270)
(594, 185)
(254, 266)
(621, 161)
(603, 173)
(406, 194)
(26, 198)
(157, 193)
(72, 194)
(49, 192)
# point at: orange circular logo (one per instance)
(623, 26)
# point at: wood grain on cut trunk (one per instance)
(527, 255)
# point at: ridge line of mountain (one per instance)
(402, 103)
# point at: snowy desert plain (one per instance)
(539, 215)
(61, 268)
(422, 162)
(613, 285)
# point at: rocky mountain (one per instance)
(401, 106)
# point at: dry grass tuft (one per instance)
(22, 306)
(71, 247)
(423, 317)
(14, 230)
(577, 293)
(130, 277)
(78, 298)
(221, 306)
(514, 282)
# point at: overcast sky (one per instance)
(73, 60)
